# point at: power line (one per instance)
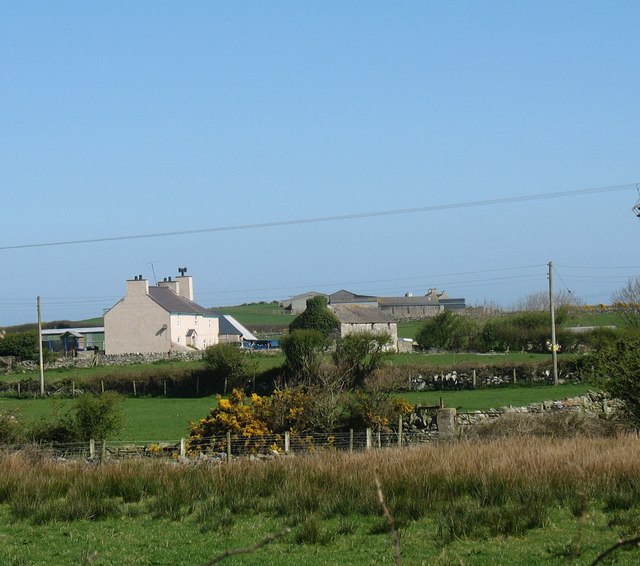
(334, 218)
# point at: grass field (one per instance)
(160, 418)
(537, 502)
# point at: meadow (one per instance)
(167, 418)
(541, 501)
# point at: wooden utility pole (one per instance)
(554, 346)
(40, 356)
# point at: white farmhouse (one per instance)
(159, 318)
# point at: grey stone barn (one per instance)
(356, 318)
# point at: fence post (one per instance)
(379, 440)
(350, 440)
(228, 447)
(400, 431)
(446, 423)
(475, 379)
(369, 439)
(73, 389)
(134, 388)
(183, 448)
(287, 445)
(103, 451)
(19, 392)
(92, 449)
(102, 385)
(514, 376)
(164, 383)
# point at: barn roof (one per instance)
(356, 314)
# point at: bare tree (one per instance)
(540, 301)
(627, 299)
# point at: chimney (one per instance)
(173, 285)
(185, 287)
(137, 286)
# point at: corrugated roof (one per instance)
(83, 330)
(229, 325)
(173, 303)
(357, 314)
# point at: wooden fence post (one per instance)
(134, 388)
(350, 440)
(228, 447)
(475, 379)
(514, 376)
(369, 439)
(102, 385)
(400, 431)
(287, 445)
(164, 383)
(92, 449)
(183, 448)
(379, 439)
(73, 389)
(19, 392)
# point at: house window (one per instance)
(178, 339)
(178, 323)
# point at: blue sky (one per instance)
(126, 118)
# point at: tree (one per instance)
(447, 331)
(540, 301)
(359, 354)
(628, 299)
(303, 350)
(317, 317)
(619, 365)
(98, 416)
(22, 345)
(229, 364)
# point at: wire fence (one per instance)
(224, 448)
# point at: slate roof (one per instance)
(356, 314)
(173, 303)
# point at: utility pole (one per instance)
(554, 346)
(41, 359)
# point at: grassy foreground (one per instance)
(505, 502)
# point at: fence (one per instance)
(224, 448)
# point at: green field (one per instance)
(258, 314)
(160, 418)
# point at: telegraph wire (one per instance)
(334, 218)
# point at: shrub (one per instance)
(98, 416)
(229, 365)
(447, 331)
(22, 345)
(317, 317)
(359, 354)
(303, 350)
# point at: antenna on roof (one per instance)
(153, 270)
(182, 271)
(636, 207)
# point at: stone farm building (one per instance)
(159, 318)
(356, 318)
(407, 307)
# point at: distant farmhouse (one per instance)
(159, 318)
(357, 318)
(406, 307)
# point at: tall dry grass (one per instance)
(476, 489)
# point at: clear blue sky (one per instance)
(125, 118)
